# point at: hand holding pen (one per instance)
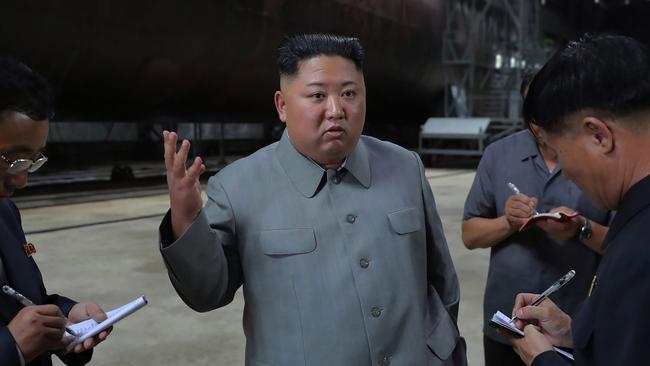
(552, 322)
(515, 190)
(25, 301)
(554, 287)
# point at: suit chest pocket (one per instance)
(285, 242)
(405, 221)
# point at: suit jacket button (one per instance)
(351, 218)
(375, 312)
(364, 262)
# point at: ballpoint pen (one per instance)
(554, 287)
(516, 191)
(26, 302)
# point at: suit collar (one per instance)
(634, 200)
(21, 271)
(358, 164)
(306, 175)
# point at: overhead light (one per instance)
(498, 61)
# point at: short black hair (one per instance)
(25, 91)
(305, 46)
(608, 73)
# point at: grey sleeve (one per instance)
(480, 200)
(203, 264)
(441, 273)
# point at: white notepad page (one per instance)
(89, 328)
(504, 321)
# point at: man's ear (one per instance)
(599, 133)
(280, 106)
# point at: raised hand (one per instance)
(183, 183)
(37, 329)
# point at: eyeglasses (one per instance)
(20, 165)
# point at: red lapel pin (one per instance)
(29, 249)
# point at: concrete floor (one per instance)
(107, 252)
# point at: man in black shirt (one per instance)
(592, 100)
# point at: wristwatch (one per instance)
(585, 230)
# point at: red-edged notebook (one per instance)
(557, 216)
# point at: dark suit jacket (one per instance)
(23, 275)
(612, 325)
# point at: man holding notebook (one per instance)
(29, 335)
(592, 100)
(518, 177)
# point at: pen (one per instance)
(26, 302)
(516, 191)
(554, 287)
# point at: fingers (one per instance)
(564, 210)
(523, 299)
(180, 158)
(170, 139)
(48, 309)
(92, 341)
(520, 206)
(95, 312)
(196, 169)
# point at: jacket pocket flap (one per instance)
(288, 241)
(405, 221)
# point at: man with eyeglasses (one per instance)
(30, 335)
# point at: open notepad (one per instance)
(557, 216)
(502, 320)
(89, 328)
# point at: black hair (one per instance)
(607, 73)
(297, 48)
(23, 90)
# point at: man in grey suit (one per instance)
(334, 236)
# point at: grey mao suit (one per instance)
(347, 267)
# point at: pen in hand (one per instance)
(554, 287)
(514, 189)
(26, 302)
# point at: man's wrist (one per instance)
(585, 231)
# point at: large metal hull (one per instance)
(214, 60)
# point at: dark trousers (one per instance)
(499, 354)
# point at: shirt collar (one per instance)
(306, 175)
(529, 147)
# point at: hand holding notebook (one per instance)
(89, 328)
(501, 320)
(557, 216)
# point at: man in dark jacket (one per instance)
(30, 335)
(592, 101)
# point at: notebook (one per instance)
(499, 319)
(89, 328)
(558, 216)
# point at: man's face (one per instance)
(585, 162)
(324, 107)
(20, 138)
